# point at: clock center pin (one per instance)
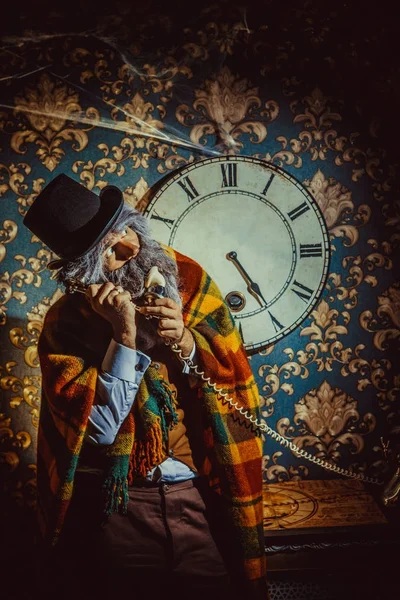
(236, 301)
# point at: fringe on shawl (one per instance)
(166, 399)
(146, 452)
(115, 486)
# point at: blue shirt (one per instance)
(121, 372)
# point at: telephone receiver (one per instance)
(155, 288)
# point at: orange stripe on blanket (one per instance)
(241, 452)
(65, 492)
(247, 516)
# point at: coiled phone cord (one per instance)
(257, 424)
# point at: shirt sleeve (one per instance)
(193, 357)
(121, 372)
(117, 383)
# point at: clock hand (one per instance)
(252, 286)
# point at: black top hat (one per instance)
(70, 219)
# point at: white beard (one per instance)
(131, 277)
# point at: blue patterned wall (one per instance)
(114, 104)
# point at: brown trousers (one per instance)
(163, 545)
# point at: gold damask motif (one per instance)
(160, 79)
(80, 56)
(26, 389)
(326, 419)
(318, 138)
(223, 36)
(227, 107)
(377, 370)
(101, 70)
(136, 195)
(49, 110)
(386, 329)
(275, 379)
(336, 204)
(378, 374)
(11, 444)
(323, 332)
(325, 348)
(281, 158)
(28, 340)
(12, 178)
(356, 271)
(389, 314)
(157, 79)
(21, 277)
(7, 235)
(138, 150)
(139, 115)
(23, 389)
(171, 160)
(272, 471)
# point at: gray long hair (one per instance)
(90, 268)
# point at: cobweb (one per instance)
(163, 75)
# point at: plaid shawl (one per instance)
(71, 346)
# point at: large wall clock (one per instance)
(256, 230)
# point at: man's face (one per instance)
(120, 248)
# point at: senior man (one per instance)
(148, 481)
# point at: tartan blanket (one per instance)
(71, 346)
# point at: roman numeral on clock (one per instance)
(277, 326)
(229, 175)
(298, 211)
(265, 190)
(189, 188)
(303, 292)
(168, 222)
(310, 250)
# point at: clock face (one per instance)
(258, 233)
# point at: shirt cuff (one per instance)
(193, 357)
(124, 363)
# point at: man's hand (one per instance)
(115, 305)
(170, 325)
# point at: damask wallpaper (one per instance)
(125, 97)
